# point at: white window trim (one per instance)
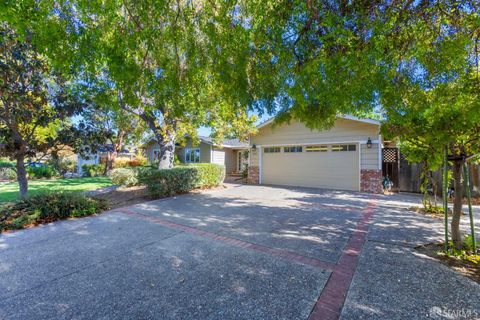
(192, 149)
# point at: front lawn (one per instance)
(9, 190)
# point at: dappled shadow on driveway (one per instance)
(316, 223)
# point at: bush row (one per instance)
(169, 182)
(47, 207)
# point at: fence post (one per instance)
(469, 200)
(445, 196)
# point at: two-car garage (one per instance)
(343, 157)
(334, 166)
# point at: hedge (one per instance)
(178, 180)
(47, 207)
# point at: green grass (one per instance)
(9, 190)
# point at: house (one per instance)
(232, 153)
(345, 157)
(101, 156)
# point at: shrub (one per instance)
(6, 163)
(63, 165)
(7, 174)
(168, 182)
(47, 207)
(209, 175)
(125, 163)
(92, 170)
(46, 172)
(123, 176)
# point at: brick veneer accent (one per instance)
(253, 175)
(371, 181)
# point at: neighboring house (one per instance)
(232, 153)
(101, 156)
(345, 157)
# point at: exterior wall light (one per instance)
(369, 143)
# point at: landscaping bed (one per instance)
(124, 196)
(435, 212)
(47, 207)
(466, 264)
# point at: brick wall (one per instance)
(253, 175)
(371, 181)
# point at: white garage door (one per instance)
(321, 166)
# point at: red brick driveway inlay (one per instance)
(330, 303)
(281, 253)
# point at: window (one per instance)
(292, 149)
(156, 154)
(344, 147)
(317, 148)
(271, 150)
(192, 155)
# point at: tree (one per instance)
(34, 103)
(106, 114)
(176, 65)
(445, 116)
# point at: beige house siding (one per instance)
(231, 160)
(218, 156)
(205, 153)
(369, 157)
(296, 133)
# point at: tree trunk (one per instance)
(22, 176)
(117, 147)
(457, 204)
(167, 152)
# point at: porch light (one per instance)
(254, 147)
(369, 143)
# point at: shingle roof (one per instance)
(229, 143)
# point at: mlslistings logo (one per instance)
(436, 312)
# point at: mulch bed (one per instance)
(475, 201)
(464, 267)
(437, 214)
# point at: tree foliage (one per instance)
(35, 103)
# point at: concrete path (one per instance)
(243, 252)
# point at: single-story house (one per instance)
(345, 157)
(232, 153)
(101, 156)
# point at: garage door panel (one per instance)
(336, 170)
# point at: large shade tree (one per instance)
(176, 65)
(35, 104)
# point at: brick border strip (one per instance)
(281, 253)
(330, 303)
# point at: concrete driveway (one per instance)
(242, 252)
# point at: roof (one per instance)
(228, 143)
(348, 117)
(110, 148)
